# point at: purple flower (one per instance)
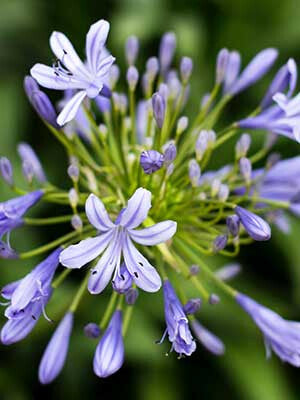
(56, 351)
(28, 156)
(220, 243)
(255, 70)
(228, 272)
(242, 145)
(69, 72)
(256, 227)
(166, 51)
(151, 161)
(6, 170)
(109, 354)
(132, 77)
(192, 306)
(92, 330)
(159, 109)
(117, 239)
(123, 280)
(210, 341)
(222, 61)
(131, 49)
(170, 153)
(232, 70)
(177, 323)
(281, 336)
(286, 77)
(194, 173)
(233, 224)
(186, 67)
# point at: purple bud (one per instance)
(255, 70)
(204, 100)
(194, 270)
(109, 354)
(214, 299)
(223, 192)
(123, 103)
(6, 170)
(56, 352)
(159, 109)
(215, 187)
(132, 77)
(131, 296)
(210, 341)
(43, 106)
(123, 280)
(102, 103)
(73, 172)
(182, 124)
(233, 225)
(186, 67)
(222, 60)
(76, 222)
(166, 51)
(105, 91)
(194, 172)
(220, 243)
(201, 144)
(151, 161)
(192, 306)
(28, 171)
(170, 153)
(242, 146)
(27, 154)
(228, 272)
(92, 330)
(163, 90)
(245, 168)
(152, 67)
(73, 197)
(30, 86)
(170, 169)
(272, 160)
(232, 70)
(114, 74)
(131, 49)
(256, 227)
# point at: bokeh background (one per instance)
(271, 271)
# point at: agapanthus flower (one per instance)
(117, 239)
(208, 339)
(69, 72)
(177, 323)
(109, 354)
(256, 226)
(281, 336)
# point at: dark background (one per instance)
(271, 272)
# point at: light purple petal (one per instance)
(97, 214)
(95, 40)
(137, 209)
(104, 66)
(28, 155)
(77, 255)
(71, 108)
(144, 274)
(56, 352)
(47, 78)
(155, 234)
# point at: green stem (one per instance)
(61, 277)
(79, 294)
(127, 318)
(109, 309)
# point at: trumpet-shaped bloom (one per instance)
(281, 336)
(116, 240)
(109, 354)
(55, 354)
(69, 72)
(177, 323)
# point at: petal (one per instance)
(65, 52)
(97, 214)
(102, 273)
(155, 234)
(144, 274)
(77, 255)
(47, 78)
(95, 40)
(137, 209)
(70, 109)
(104, 66)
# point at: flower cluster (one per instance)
(145, 207)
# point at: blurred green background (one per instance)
(271, 272)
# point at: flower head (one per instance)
(117, 238)
(69, 72)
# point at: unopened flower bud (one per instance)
(76, 223)
(114, 74)
(204, 100)
(228, 272)
(166, 51)
(210, 341)
(272, 160)
(182, 124)
(211, 138)
(223, 192)
(170, 169)
(152, 67)
(214, 299)
(73, 198)
(256, 227)
(6, 170)
(163, 90)
(131, 49)
(271, 139)
(132, 77)
(245, 168)
(220, 243)
(92, 181)
(103, 130)
(131, 296)
(233, 225)
(170, 153)
(28, 171)
(186, 67)
(222, 60)
(92, 330)
(151, 161)
(192, 306)
(123, 103)
(242, 146)
(194, 270)
(159, 109)
(194, 172)
(215, 187)
(73, 172)
(201, 144)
